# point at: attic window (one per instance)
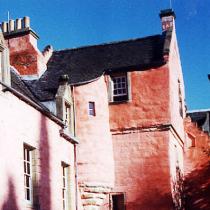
(119, 87)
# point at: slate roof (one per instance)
(86, 64)
(18, 84)
(202, 118)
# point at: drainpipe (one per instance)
(75, 153)
(76, 180)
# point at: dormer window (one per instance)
(64, 103)
(119, 87)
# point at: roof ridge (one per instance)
(109, 43)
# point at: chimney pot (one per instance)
(18, 24)
(26, 22)
(4, 27)
(11, 25)
(167, 12)
(167, 17)
(63, 79)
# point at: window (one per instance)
(65, 186)
(119, 87)
(67, 119)
(118, 201)
(28, 182)
(92, 111)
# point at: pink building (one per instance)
(124, 102)
(37, 161)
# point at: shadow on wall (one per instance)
(163, 202)
(44, 201)
(11, 201)
(197, 189)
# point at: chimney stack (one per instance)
(17, 26)
(24, 53)
(167, 18)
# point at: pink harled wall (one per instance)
(149, 104)
(22, 124)
(140, 146)
(25, 56)
(148, 137)
(95, 152)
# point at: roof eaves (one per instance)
(26, 99)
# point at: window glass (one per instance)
(119, 87)
(65, 185)
(92, 108)
(67, 114)
(28, 173)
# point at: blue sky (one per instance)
(73, 23)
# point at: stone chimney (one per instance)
(167, 18)
(22, 43)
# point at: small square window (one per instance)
(92, 111)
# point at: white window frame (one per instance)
(28, 173)
(119, 85)
(65, 186)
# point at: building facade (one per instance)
(123, 101)
(37, 161)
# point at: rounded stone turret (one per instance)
(95, 153)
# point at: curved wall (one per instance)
(95, 152)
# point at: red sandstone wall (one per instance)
(149, 104)
(142, 169)
(20, 123)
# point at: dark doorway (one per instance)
(118, 201)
